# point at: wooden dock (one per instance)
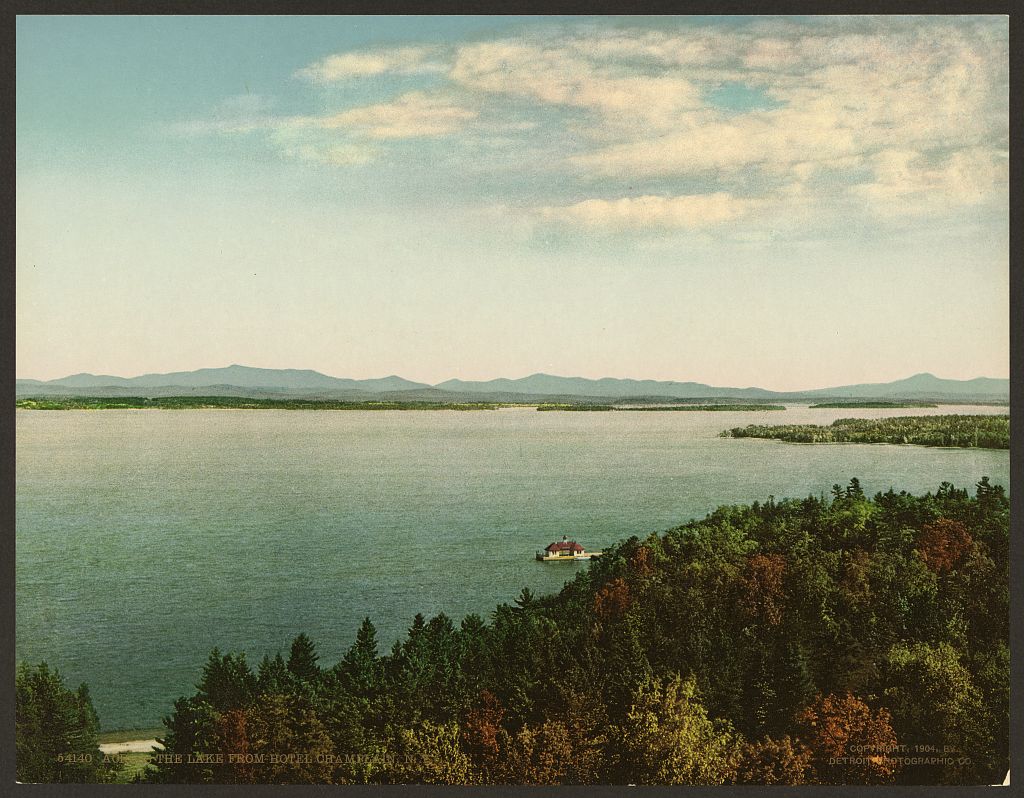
(567, 558)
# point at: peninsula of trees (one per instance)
(983, 432)
(829, 640)
(675, 407)
(873, 405)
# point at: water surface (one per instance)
(147, 537)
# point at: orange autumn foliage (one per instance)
(480, 731)
(641, 564)
(849, 743)
(943, 544)
(612, 600)
(233, 738)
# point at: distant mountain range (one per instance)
(238, 376)
(238, 380)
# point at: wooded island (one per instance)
(983, 432)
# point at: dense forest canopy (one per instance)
(839, 639)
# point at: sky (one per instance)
(787, 202)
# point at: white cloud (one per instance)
(557, 76)
(873, 112)
(699, 47)
(690, 212)
(343, 139)
(841, 97)
(710, 141)
(850, 101)
(907, 182)
(370, 63)
(412, 115)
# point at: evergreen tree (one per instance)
(302, 659)
(227, 681)
(901, 599)
(359, 666)
(273, 675)
(526, 599)
(474, 655)
(191, 728)
(55, 730)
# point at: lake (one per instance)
(147, 537)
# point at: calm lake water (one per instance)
(145, 537)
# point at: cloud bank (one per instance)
(895, 117)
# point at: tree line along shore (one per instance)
(257, 403)
(840, 639)
(955, 430)
(872, 405)
(637, 408)
(236, 403)
(961, 431)
(246, 403)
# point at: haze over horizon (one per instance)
(779, 202)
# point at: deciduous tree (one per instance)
(943, 544)
(769, 761)
(849, 743)
(668, 738)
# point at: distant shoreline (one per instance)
(671, 408)
(254, 403)
(838, 405)
(240, 403)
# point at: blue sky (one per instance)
(786, 202)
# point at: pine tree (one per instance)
(191, 728)
(526, 599)
(273, 675)
(51, 722)
(360, 668)
(302, 659)
(227, 682)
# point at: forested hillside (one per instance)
(839, 639)
(823, 640)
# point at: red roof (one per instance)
(565, 545)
